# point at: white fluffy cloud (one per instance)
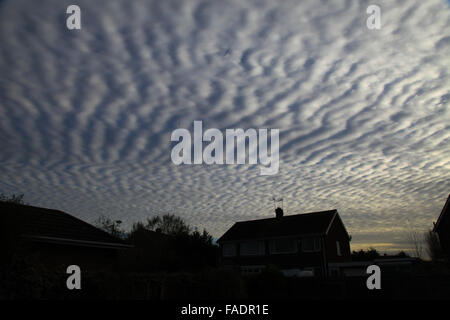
(86, 116)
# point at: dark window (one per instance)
(229, 250)
(311, 244)
(286, 245)
(252, 248)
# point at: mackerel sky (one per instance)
(364, 115)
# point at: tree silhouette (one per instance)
(185, 247)
(168, 224)
(18, 199)
(367, 255)
(415, 239)
(110, 226)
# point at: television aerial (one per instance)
(276, 202)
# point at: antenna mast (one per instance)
(276, 202)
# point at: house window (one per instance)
(286, 245)
(338, 249)
(252, 248)
(311, 244)
(229, 250)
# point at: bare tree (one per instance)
(168, 224)
(109, 225)
(415, 239)
(18, 199)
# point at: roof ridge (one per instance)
(291, 215)
(55, 213)
(441, 215)
(31, 206)
(297, 224)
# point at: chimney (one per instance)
(279, 213)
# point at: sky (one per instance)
(86, 115)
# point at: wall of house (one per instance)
(295, 260)
(56, 256)
(8, 239)
(337, 233)
(444, 235)
(13, 247)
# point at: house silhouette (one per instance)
(55, 238)
(301, 244)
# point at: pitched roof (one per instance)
(292, 225)
(48, 225)
(445, 212)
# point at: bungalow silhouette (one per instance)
(301, 244)
(442, 228)
(53, 238)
